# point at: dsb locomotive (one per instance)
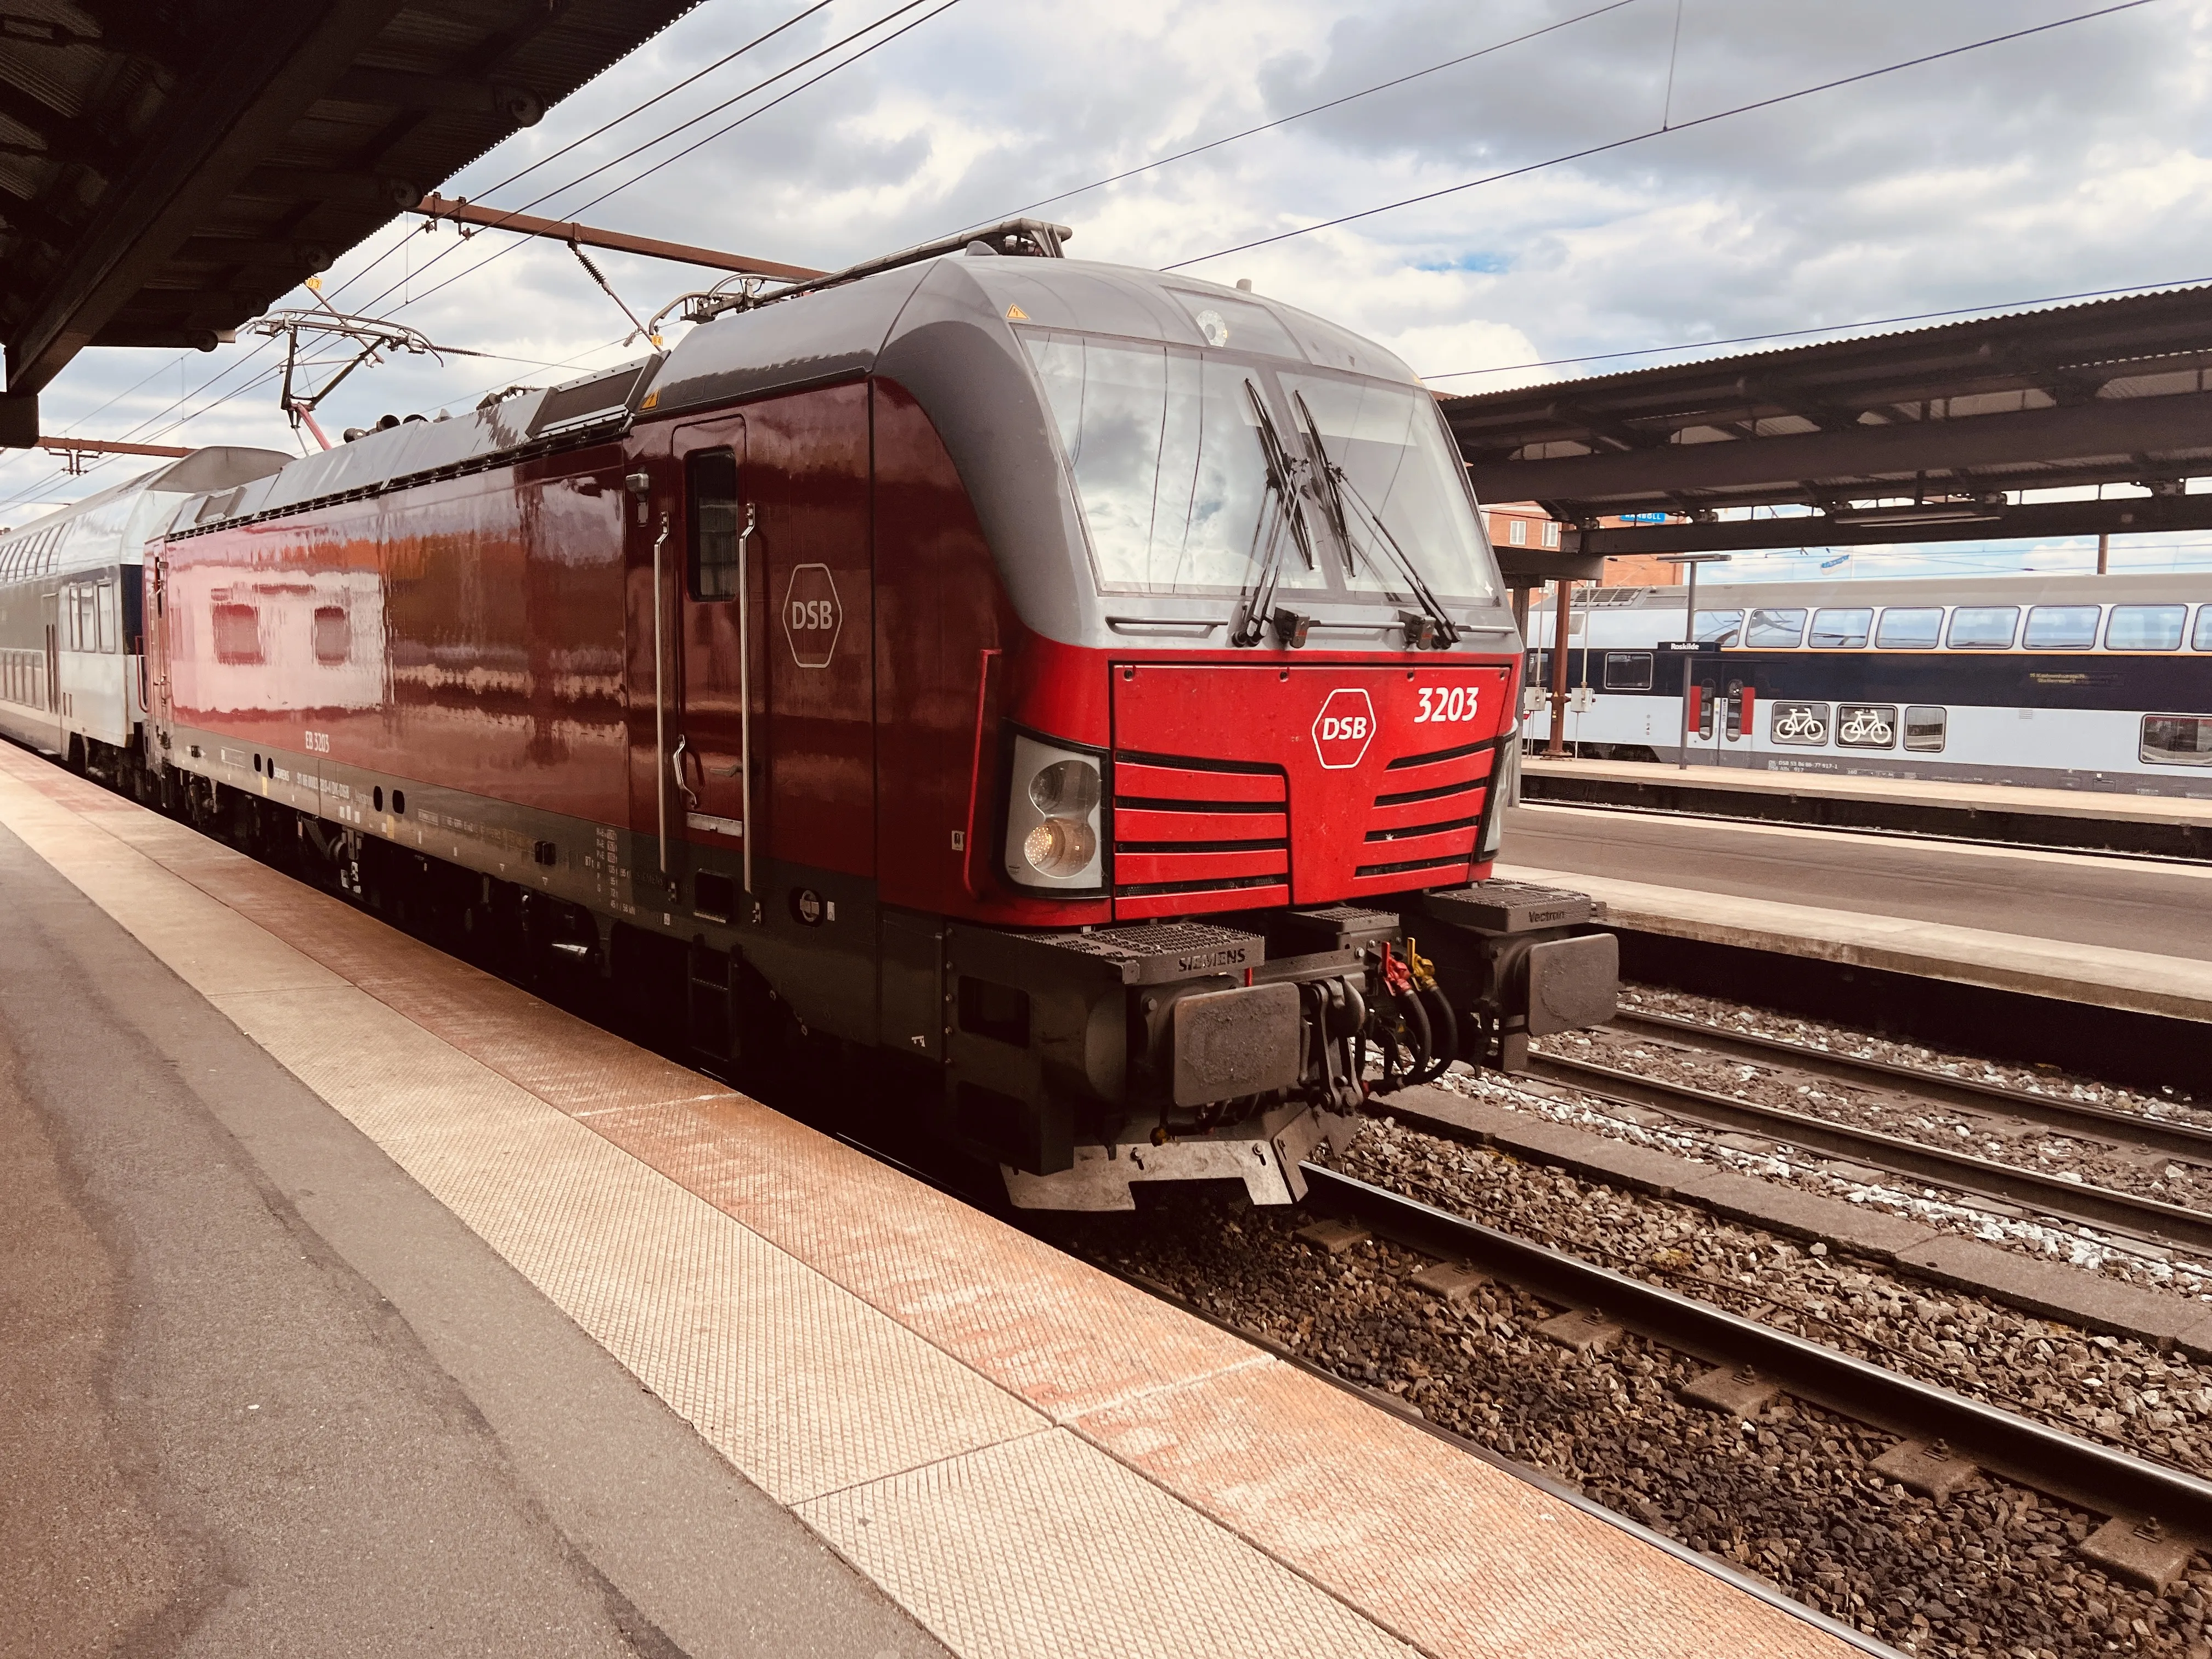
(1088, 685)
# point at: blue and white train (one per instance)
(2059, 681)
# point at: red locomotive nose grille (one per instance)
(1421, 830)
(1197, 834)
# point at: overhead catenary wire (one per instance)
(639, 150)
(1316, 109)
(669, 161)
(1649, 133)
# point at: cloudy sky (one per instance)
(2072, 160)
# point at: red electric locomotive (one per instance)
(1091, 685)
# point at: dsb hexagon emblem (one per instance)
(811, 616)
(1344, 728)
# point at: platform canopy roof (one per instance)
(1909, 436)
(169, 167)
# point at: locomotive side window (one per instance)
(2177, 739)
(1925, 728)
(1982, 627)
(710, 481)
(1718, 627)
(334, 635)
(1776, 630)
(2061, 628)
(1628, 670)
(2146, 627)
(1912, 629)
(1841, 631)
(237, 633)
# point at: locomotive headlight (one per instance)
(1052, 831)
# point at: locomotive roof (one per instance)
(813, 338)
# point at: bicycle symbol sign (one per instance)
(1800, 723)
(1866, 726)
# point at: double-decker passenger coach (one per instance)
(1091, 685)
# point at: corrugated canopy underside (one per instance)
(169, 167)
(2109, 391)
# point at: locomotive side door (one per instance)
(714, 661)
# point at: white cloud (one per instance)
(2077, 159)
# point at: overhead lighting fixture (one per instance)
(1930, 513)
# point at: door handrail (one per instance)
(975, 773)
(745, 697)
(660, 703)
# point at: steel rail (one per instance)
(2100, 1478)
(2075, 1117)
(2077, 1201)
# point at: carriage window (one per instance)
(1909, 629)
(2203, 640)
(237, 633)
(2177, 739)
(1982, 627)
(2061, 628)
(1628, 670)
(2146, 627)
(1841, 631)
(1924, 729)
(1775, 629)
(1718, 627)
(334, 635)
(103, 615)
(710, 483)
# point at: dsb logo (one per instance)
(812, 617)
(1344, 728)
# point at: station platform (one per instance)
(435, 1318)
(2093, 820)
(2130, 935)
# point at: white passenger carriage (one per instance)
(2071, 682)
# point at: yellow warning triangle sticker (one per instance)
(1016, 314)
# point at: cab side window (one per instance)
(710, 481)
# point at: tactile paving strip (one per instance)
(960, 1541)
(885, 1360)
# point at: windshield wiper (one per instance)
(1283, 487)
(1334, 487)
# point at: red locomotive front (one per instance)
(1091, 686)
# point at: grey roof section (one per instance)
(113, 525)
(2015, 587)
(537, 418)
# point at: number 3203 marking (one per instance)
(1458, 703)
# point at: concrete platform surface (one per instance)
(2127, 934)
(498, 1209)
(2102, 806)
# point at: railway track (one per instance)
(2073, 1200)
(2100, 1478)
(2068, 1117)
